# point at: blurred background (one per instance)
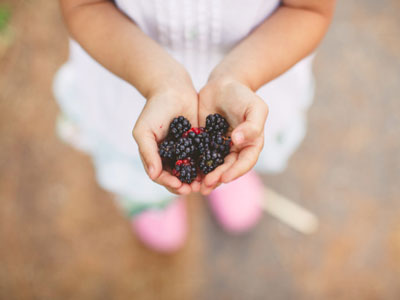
(62, 237)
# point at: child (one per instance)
(145, 62)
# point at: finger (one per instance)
(253, 126)
(173, 184)
(185, 189)
(148, 149)
(207, 191)
(173, 191)
(168, 180)
(195, 185)
(212, 178)
(246, 160)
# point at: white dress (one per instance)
(103, 109)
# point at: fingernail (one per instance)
(239, 137)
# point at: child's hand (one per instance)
(152, 127)
(246, 113)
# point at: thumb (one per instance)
(148, 149)
(253, 126)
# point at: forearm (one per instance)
(289, 35)
(119, 45)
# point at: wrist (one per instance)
(223, 77)
(220, 81)
(176, 81)
(177, 90)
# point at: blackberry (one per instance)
(221, 144)
(210, 160)
(185, 170)
(216, 124)
(178, 127)
(167, 150)
(184, 148)
(201, 141)
(190, 150)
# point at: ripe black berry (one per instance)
(221, 144)
(185, 170)
(167, 150)
(187, 150)
(216, 124)
(201, 142)
(210, 160)
(178, 127)
(184, 148)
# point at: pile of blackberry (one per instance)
(188, 150)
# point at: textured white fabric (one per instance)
(198, 34)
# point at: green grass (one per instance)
(5, 16)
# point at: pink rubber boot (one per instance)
(163, 230)
(236, 205)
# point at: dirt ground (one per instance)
(62, 237)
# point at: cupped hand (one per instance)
(246, 113)
(152, 127)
